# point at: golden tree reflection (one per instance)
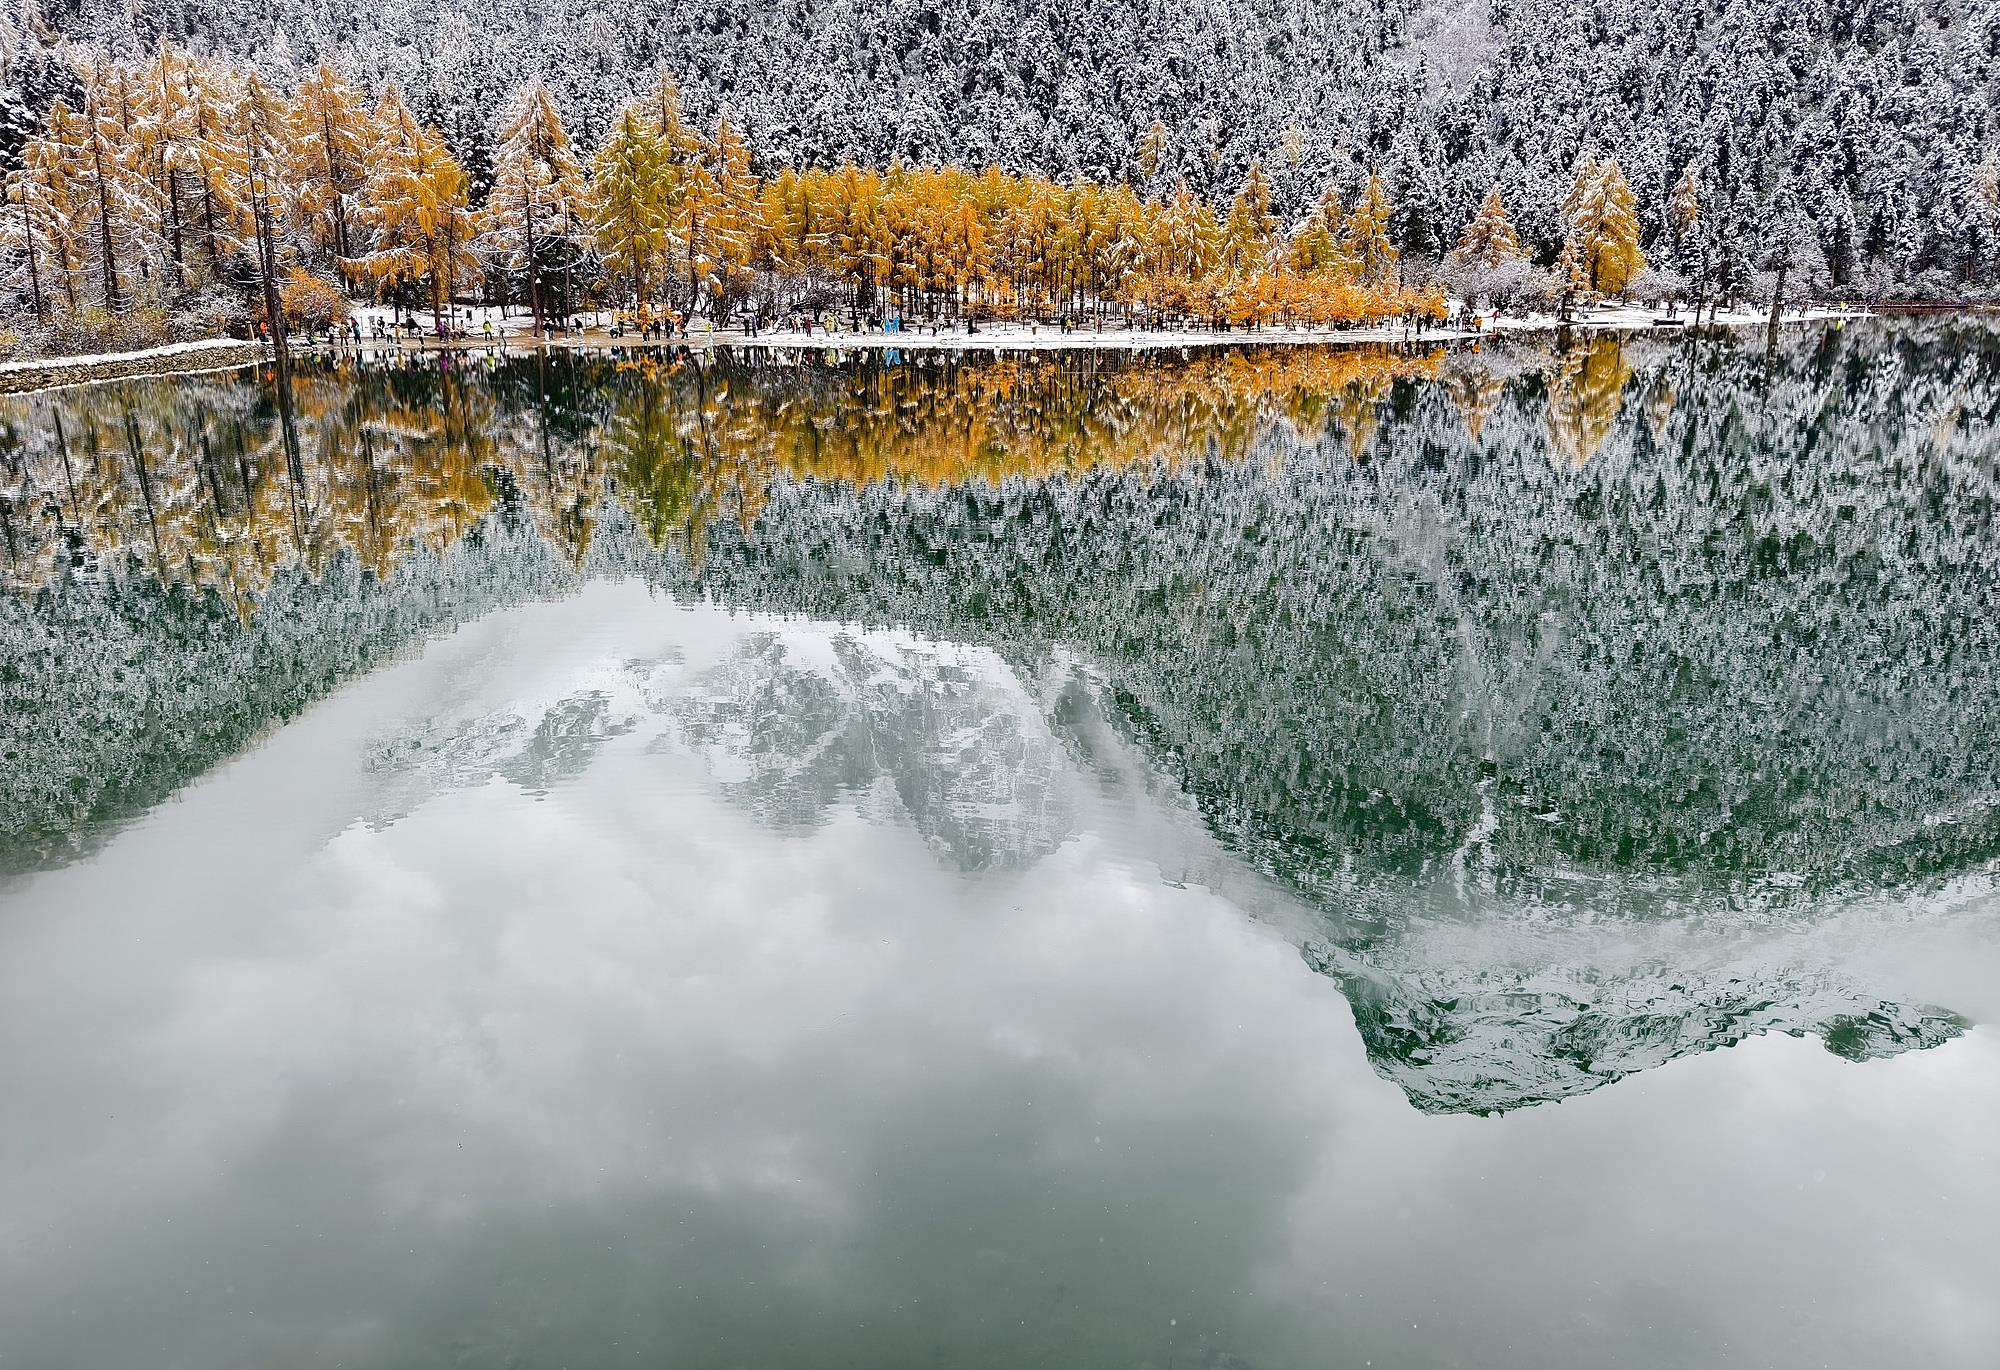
(223, 481)
(1474, 392)
(1586, 391)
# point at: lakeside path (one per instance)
(515, 334)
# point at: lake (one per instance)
(1225, 860)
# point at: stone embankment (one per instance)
(44, 373)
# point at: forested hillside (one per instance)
(1870, 125)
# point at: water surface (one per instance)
(1254, 858)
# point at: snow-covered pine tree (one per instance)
(534, 224)
(1788, 249)
(1684, 230)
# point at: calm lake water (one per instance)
(1261, 858)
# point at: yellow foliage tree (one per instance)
(1604, 227)
(416, 210)
(1366, 241)
(1489, 239)
(630, 208)
(328, 136)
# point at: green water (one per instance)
(1252, 858)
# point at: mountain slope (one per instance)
(1867, 128)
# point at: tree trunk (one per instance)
(267, 259)
(34, 272)
(174, 217)
(111, 298)
(534, 272)
(333, 184)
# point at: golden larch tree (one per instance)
(328, 134)
(630, 211)
(1604, 226)
(422, 230)
(1489, 239)
(1248, 229)
(1366, 240)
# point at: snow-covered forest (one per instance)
(1849, 148)
(1876, 117)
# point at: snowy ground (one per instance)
(517, 329)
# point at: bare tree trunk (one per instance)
(333, 184)
(267, 260)
(174, 218)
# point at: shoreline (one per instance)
(226, 354)
(56, 373)
(516, 335)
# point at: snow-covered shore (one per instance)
(207, 354)
(516, 332)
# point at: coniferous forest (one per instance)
(192, 165)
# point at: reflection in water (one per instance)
(1476, 656)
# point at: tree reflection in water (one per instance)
(1469, 653)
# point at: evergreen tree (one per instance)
(1684, 229)
(535, 219)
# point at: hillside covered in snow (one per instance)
(1873, 121)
